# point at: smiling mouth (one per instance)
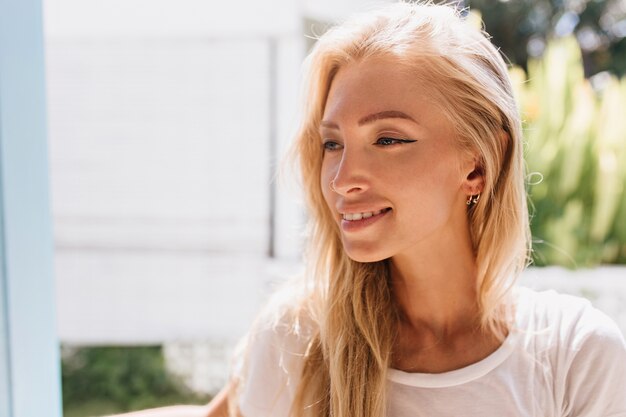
(351, 217)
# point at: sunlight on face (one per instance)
(398, 180)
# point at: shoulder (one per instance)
(571, 319)
(268, 367)
(585, 348)
(566, 324)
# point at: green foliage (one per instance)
(577, 141)
(104, 380)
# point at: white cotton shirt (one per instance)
(564, 359)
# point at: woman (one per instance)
(411, 158)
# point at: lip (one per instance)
(361, 208)
(356, 225)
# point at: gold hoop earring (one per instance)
(471, 200)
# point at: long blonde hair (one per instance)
(345, 368)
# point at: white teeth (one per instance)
(359, 216)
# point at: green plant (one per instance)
(576, 138)
(104, 380)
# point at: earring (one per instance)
(471, 200)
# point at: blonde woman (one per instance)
(411, 158)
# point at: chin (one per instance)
(364, 253)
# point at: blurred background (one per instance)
(167, 122)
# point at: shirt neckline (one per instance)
(467, 373)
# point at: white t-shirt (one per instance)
(565, 358)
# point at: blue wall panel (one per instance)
(29, 353)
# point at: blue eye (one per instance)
(331, 146)
(392, 141)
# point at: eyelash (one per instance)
(394, 141)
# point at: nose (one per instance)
(352, 173)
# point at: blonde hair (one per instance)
(345, 368)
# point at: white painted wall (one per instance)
(159, 144)
(160, 121)
(168, 18)
(133, 298)
(332, 10)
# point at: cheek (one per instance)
(326, 175)
(430, 187)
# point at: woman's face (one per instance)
(399, 182)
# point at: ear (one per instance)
(474, 181)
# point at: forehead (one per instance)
(377, 84)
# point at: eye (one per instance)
(384, 141)
(330, 145)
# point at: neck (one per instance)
(436, 290)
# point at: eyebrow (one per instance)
(388, 114)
